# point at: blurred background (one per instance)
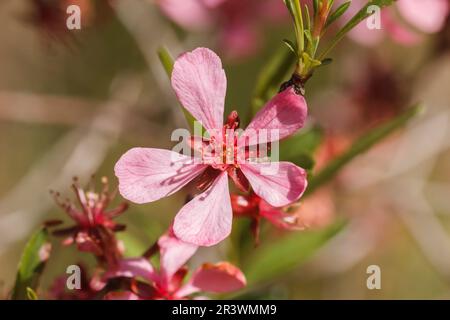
(73, 101)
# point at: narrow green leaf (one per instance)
(360, 16)
(338, 13)
(308, 36)
(276, 258)
(295, 10)
(290, 45)
(307, 18)
(31, 265)
(167, 62)
(271, 77)
(360, 146)
(316, 7)
(31, 294)
(299, 26)
(288, 4)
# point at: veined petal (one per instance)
(282, 116)
(174, 254)
(200, 85)
(279, 184)
(206, 219)
(218, 278)
(147, 174)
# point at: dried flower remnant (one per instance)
(167, 282)
(147, 174)
(95, 227)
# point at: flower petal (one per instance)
(206, 219)
(200, 85)
(174, 254)
(282, 116)
(280, 184)
(147, 174)
(218, 278)
(132, 268)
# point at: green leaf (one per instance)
(307, 18)
(290, 45)
(271, 77)
(308, 36)
(167, 62)
(338, 13)
(31, 294)
(277, 258)
(360, 16)
(360, 146)
(31, 265)
(316, 7)
(295, 10)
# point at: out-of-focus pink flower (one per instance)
(331, 146)
(317, 210)
(94, 228)
(50, 16)
(167, 282)
(239, 22)
(146, 174)
(419, 16)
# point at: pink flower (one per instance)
(239, 22)
(147, 174)
(94, 228)
(426, 16)
(167, 282)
